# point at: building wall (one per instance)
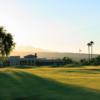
(14, 60)
(27, 61)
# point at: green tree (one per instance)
(96, 60)
(6, 42)
(67, 60)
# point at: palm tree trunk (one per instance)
(89, 53)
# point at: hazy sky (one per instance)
(57, 25)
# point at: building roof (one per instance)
(30, 56)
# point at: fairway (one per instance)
(46, 83)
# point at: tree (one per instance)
(96, 60)
(84, 62)
(67, 60)
(6, 42)
(91, 42)
(90, 49)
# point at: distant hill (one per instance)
(25, 50)
(50, 55)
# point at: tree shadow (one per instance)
(27, 86)
(95, 70)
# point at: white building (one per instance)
(29, 60)
(26, 60)
(14, 60)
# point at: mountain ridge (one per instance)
(54, 55)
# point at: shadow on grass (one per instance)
(96, 70)
(86, 71)
(26, 86)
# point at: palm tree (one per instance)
(91, 42)
(6, 42)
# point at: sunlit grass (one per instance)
(47, 83)
(86, 77)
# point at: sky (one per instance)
(55, 25)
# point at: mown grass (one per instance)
(46, 83)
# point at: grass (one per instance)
(46, 83)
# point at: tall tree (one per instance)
(91, 42)
(6, 42)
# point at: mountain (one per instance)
(25, 50)
(54, 55)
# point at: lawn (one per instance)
(45, 83)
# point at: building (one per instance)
(14, 60)
(26, 60)
(31, 60)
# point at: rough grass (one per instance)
(50, 83)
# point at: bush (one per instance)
(84, 62)
(95, 61)
(67, 60)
